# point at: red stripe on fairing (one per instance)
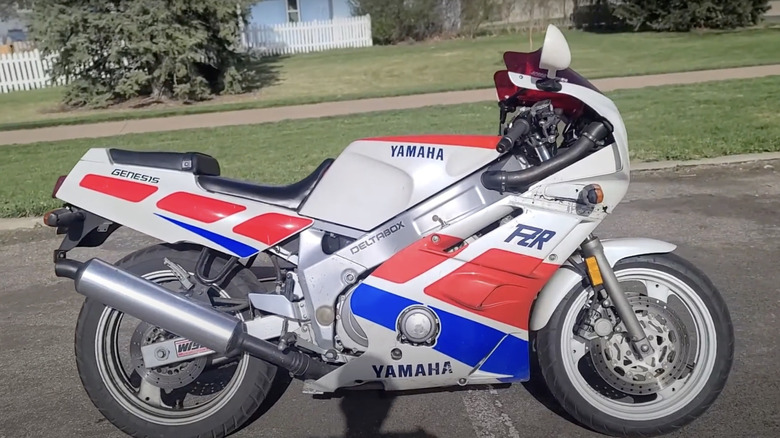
(474, 141)
(416, 259)
(271, 228)
(119, 188)
(498, 285)
(199, 208)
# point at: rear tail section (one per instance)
(158, 194)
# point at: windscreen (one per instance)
(528, 64)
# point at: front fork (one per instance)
(602, 278)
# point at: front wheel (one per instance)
(589, 366)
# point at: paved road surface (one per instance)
(724, 219)
(264, 115)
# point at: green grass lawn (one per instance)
(675, 122)
(428, 67)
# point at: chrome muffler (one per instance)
(156, 305)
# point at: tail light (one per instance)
(57, 185)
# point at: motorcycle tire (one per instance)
(585, 377)
(111, 383)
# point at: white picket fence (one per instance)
(310, 36)
(24, 71)
(29, 70)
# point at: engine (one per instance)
(416, 325)
(349, 334)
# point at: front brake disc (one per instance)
(616, 363)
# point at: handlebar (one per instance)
(519, 128)
(520, 180)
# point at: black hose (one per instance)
(520, 180)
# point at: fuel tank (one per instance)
(375, 179)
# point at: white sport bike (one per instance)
(408, 262)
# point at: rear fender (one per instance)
(170, 206)
(568, 277)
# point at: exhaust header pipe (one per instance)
(156, 305)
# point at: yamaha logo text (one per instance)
(411, 370)
(430, 153)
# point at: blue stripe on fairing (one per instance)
(510, 358)
(462, 339)
(231, 245)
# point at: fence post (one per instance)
(3, 76)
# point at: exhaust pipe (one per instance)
(156, 305)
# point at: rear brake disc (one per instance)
(167, 377)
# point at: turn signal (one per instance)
(50, 218)
(594, 194)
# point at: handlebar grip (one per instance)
(519, 128)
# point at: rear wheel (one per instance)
(209, 396)
(596, 377)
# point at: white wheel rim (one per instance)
(115, 380)
(660, 285)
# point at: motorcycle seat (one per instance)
(192, 162)
(289, 196)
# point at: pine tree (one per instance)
(114, 50)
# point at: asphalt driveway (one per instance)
(723, 218)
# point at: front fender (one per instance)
(567, 277)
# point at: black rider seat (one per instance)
(290, 196)
(192, 162)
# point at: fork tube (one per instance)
(592, 247)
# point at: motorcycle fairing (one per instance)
(170, 206)
(481, 293)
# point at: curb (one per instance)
(21, 223)
(728, 159)
(35, 222)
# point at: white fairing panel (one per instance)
(374, 180)
(170, 206)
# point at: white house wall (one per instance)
(273, 12)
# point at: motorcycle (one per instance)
(409, 262)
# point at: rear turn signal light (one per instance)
(57, 185)
(50, 218)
